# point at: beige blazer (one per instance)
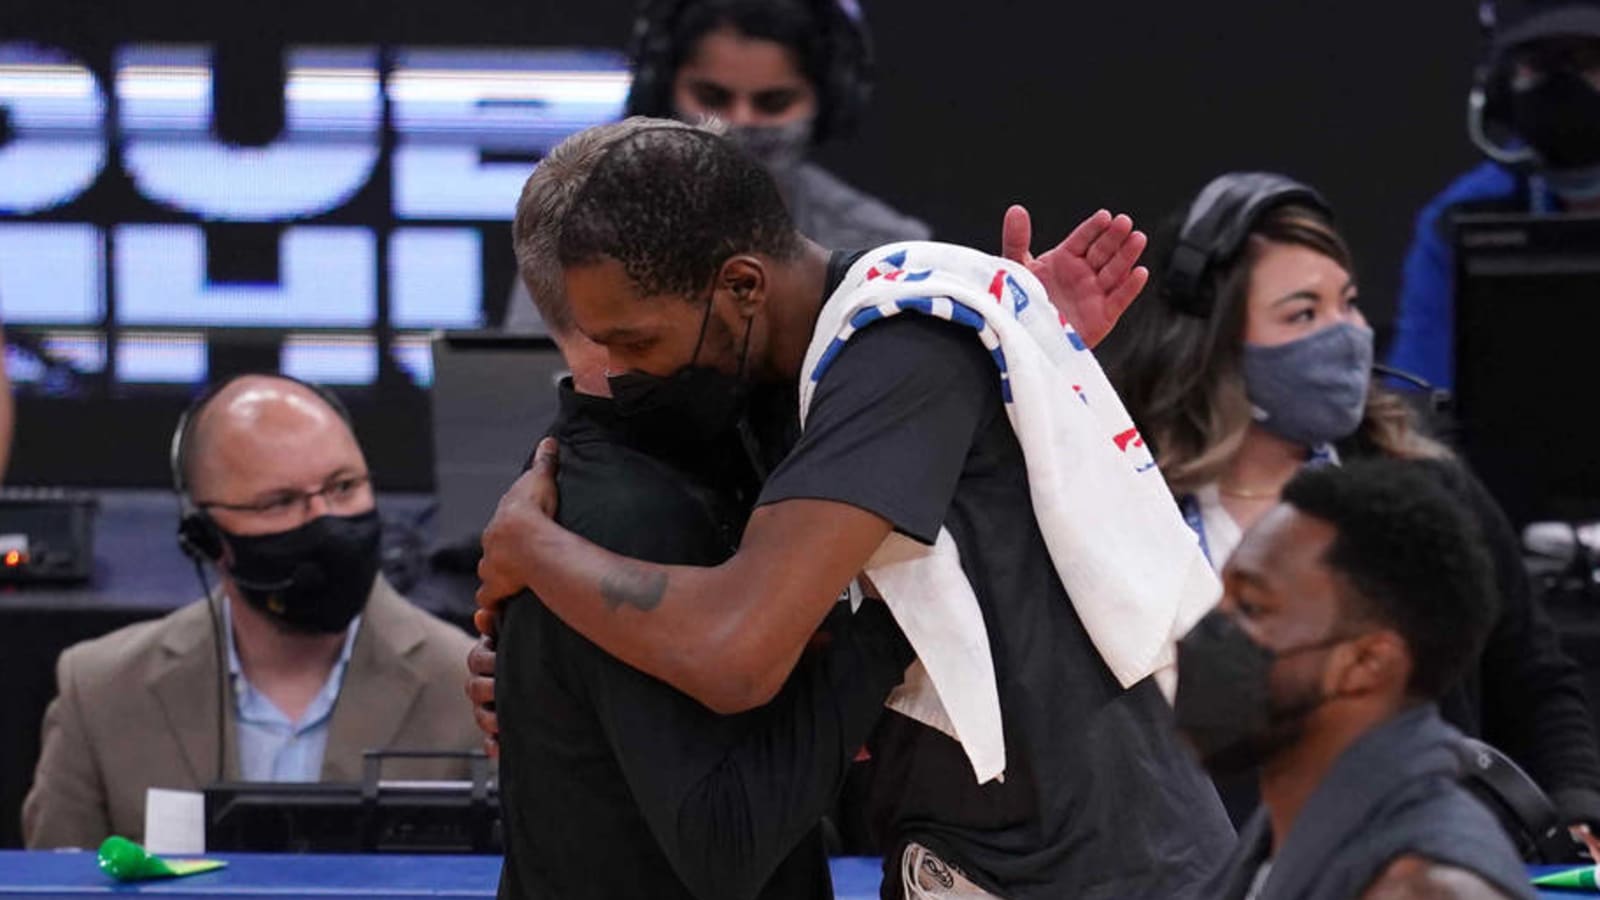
(137, 709)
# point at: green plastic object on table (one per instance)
(124, 860)
(1582, 879)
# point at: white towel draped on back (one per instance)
(1131, 565)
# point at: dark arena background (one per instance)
(193, 188)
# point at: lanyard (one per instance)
(1190, 507)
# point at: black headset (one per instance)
(198, 537)
(846, 64)
(1489, 101)
(1216, 226)
(1524, 812)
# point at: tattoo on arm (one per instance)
(634, 586)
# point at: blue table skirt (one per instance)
(75, 874)
(1557, 895)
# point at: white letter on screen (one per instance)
(58, 136)
(332, 117)
(50, 274)
(452, 106)
(436, 278)
(327, 278)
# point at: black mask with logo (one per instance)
(314, 579)
(1225, 704)
(693, 404)
(1560, 118)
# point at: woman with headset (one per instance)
(783, 77)
(1249, 360)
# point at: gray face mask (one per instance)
(780, 148)
(1311, 391)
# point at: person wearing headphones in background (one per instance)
(783, 76)
(1249, 361)
(323, 658)
(1535, 112)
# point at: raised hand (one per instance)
(1091, 276)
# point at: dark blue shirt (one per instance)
(1424, 339)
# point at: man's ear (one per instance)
(1376, 662)
(744, 279)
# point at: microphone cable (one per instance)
(217, 642)
(1440, 400)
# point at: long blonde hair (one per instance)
(1181, 378)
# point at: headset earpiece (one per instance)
(1489, 99)
(1215, 229)
(198, 537)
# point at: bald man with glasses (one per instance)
(323, 658)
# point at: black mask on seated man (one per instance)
(313, 579)
(1226, 705)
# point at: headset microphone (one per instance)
(1440, 400)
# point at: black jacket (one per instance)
(1526, 696)
(613, 784)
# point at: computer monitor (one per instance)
(1527, 345)
(494, 394)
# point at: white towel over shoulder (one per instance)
(1131, 565)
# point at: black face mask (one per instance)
(1225, 705)
(693, 403)
(313, 579)
(1560, 118)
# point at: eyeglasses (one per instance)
(342, 495)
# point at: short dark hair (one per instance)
(672, 205)
(547, 196)
(791, 23)
(1412, 557)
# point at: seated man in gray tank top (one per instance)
(1346, 611)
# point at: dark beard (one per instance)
(1286, 723)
